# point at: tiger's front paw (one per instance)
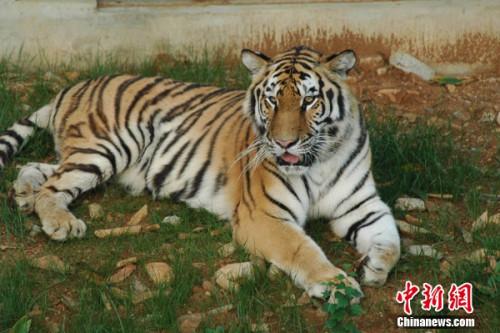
(63, 226)
(342, 283)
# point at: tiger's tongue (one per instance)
(289, 158)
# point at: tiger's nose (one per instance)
(284, 143)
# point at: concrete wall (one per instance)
(448, 31)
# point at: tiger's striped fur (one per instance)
(294, 146)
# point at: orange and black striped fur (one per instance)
(292, 147)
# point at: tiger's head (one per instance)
(297, 102)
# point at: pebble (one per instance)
(424, 250)
(172, 220)
(409, 64)
(498, 118)
(487, 117)
(382, 71)
(122, 274)
(484, 219)
(51, 263)
(226, 250)
(411, 229)
(139, 217)
(410, 204)
(183, 236)
(159, 272)
(227, 276)
(124, 262)
(451, 88)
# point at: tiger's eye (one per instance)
(271, 99)
(309, 99)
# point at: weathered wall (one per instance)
(437, 31)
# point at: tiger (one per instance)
(293, 147)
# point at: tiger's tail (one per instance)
(12, 139)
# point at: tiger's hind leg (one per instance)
(77, 174)
(30, 179)
(371, 229)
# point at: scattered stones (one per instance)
(52, 263)
(138, 286)
(382, 71)
(451, 88)
(130, 230)
(159, 272)
(198, 229)
(424, 250)
(199, 265)
(412, 219)
(410, 64)
(467, 236)
(139, 217)
(410, 204)
(227, 277)
(172, 220)
(460, 115)
(189, 323)
(484, 219)
(122, 274)
(6, 247)
(95, 211)
(440, 196)
(487, 117)
(226, 250)
(389, 93)
(481, 255)
(124, 262)
(410, 229)
(371, 62)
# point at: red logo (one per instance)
(459, 297)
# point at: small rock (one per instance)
(407, 241)
(389, 93)
(411, 229)
(451, 88)
(498, 118)
(122, 274)
(464, 116)
(483, 220)
(172, 220)
(467, 236)
(410, 204)
(441, 196)
(189, 323)
(412, 219)
(227, 276)
(199, 265)
(227, 250)
(159, 272)
(51, 263)
(123, 262)
(424, 250)
(410, 64)
(382, 71)
(487, 117)
(198, 229)
(139, 217)
(371, 61)
(95, 211)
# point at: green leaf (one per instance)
(448, 80)
(23, 325)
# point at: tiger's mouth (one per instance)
(290, 159)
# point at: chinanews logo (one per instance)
(458, 297)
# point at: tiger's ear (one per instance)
(254, 61)
(340, 63)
